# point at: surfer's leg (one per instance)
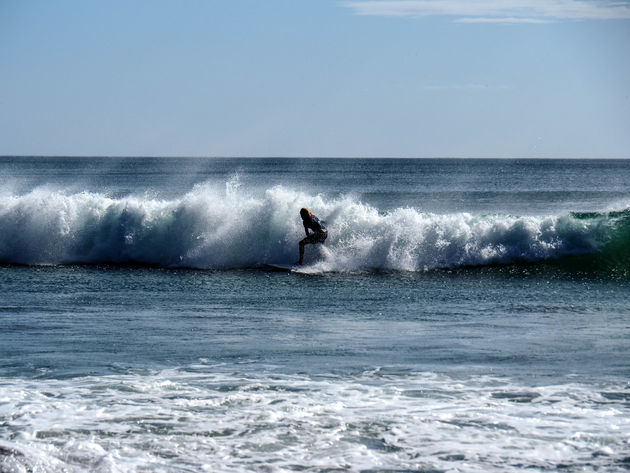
(302, 243)
(305, 241)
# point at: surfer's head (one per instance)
(305, 213)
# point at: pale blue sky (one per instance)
(430, 78)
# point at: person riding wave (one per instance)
(319, 234)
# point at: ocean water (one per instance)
(463, 316)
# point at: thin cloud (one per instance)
(466, 87)
(497, 11)
(480, 19)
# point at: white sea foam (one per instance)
(232, 227)
(200, 420)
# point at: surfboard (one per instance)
(281, 267)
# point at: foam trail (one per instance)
(228, 227)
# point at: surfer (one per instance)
(319, 234)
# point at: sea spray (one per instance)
(218, 227)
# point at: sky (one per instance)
(317, 78)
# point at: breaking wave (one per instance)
(220, 228)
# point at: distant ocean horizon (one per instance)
(463, 315)
(319, 157)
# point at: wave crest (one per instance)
(212, 227)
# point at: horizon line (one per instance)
(82, 156)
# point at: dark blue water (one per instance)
(77, 321)
(462, 316)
